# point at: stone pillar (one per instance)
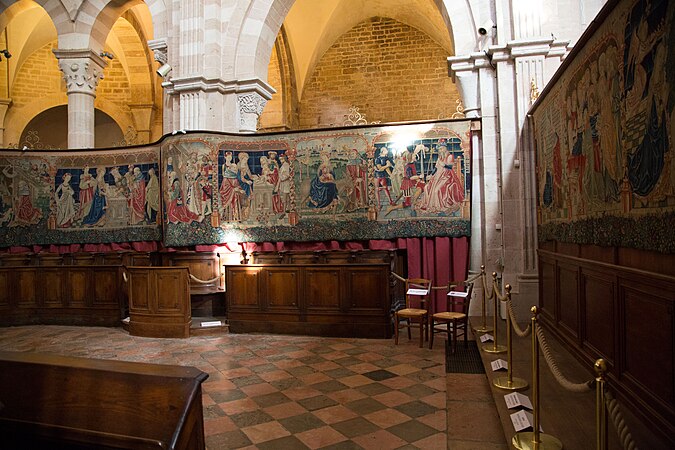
(4, 105)
(82, 70)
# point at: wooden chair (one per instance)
(454, 321)
(414, 317)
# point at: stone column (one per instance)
(82, 70)
(4, 105)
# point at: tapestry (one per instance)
(62, 197)
(604, 131)
(377, 182)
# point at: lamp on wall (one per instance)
(106, 55)
(6, 53)
(164, 70)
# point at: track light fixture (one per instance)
(6, 53)
(106, 55)
(164, 70)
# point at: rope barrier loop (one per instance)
(553, 366)
(197, 280)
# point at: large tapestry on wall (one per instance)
(61, 197)
(604, 133)
(344, 184)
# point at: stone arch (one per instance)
(17, 119)
(10, 9)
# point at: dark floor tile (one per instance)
(426, 363)
(312, 360)
(212, 412)
(262, 368)
(412, 430)
(227, 395)
(300, 371)
(275, 398)
(386, 362)
(230, 439)
(344, 445)
(379, 375)
(303, 422)
(373, 389)
(286, 383)
(318, 402)
(422, 376)
(416, 409)
(329, 386)
(250, 418)
(340, 373)
(355, 427)
(365, 406)
(284, 443)
(247, 381)
(347, 361)
(355, 351)
(419, 390)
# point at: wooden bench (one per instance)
(56, 402)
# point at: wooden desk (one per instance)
(55, 402)
(348, 300)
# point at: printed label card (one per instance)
(516, 399)
(486, 337)
(499, 364)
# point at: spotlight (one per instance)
(107, 55)
(164, 70)
(6, 53)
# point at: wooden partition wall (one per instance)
(617, 304)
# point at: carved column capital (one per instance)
(251, 105)
(82, 70)
(160, 49)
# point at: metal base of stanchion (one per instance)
(494, 348)
(515, 384)
(483, 329)
(525, 441)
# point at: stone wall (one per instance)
(391, 71)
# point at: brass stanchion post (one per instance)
(535, 439)
(509, 382)
(600, 409)
(483, 328)
(495, 347)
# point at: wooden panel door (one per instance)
(77, 286)
(367, 287)
(139, 297)
(4, 288)
(51, 283)
(26, 282)
(242, 288)
(106, 286)
(170, 287)
(281, 287)
(599, 314)
(568, 298)
(322, 289)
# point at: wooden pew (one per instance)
(56, 402)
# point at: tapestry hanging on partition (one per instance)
(375, 182)
(63, 197)
(604, 133)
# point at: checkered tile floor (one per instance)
(285, 392)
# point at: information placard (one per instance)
(486, 337)
(516, 399)
(499, 364)
(412, 291)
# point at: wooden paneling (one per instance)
(622, 314)
(281, 288)
(68, 295)
(5, 291)
(599, 314)
(322, 288)
(568, 291)
(247, 291)
(350, 300)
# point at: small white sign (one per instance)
(516, 399)
(458, 294)
(412, 291)
(486, 337)
(522, 420)
(213, 323)
(499, 364)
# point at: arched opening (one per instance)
(49, 129)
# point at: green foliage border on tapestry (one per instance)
(604, 129)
